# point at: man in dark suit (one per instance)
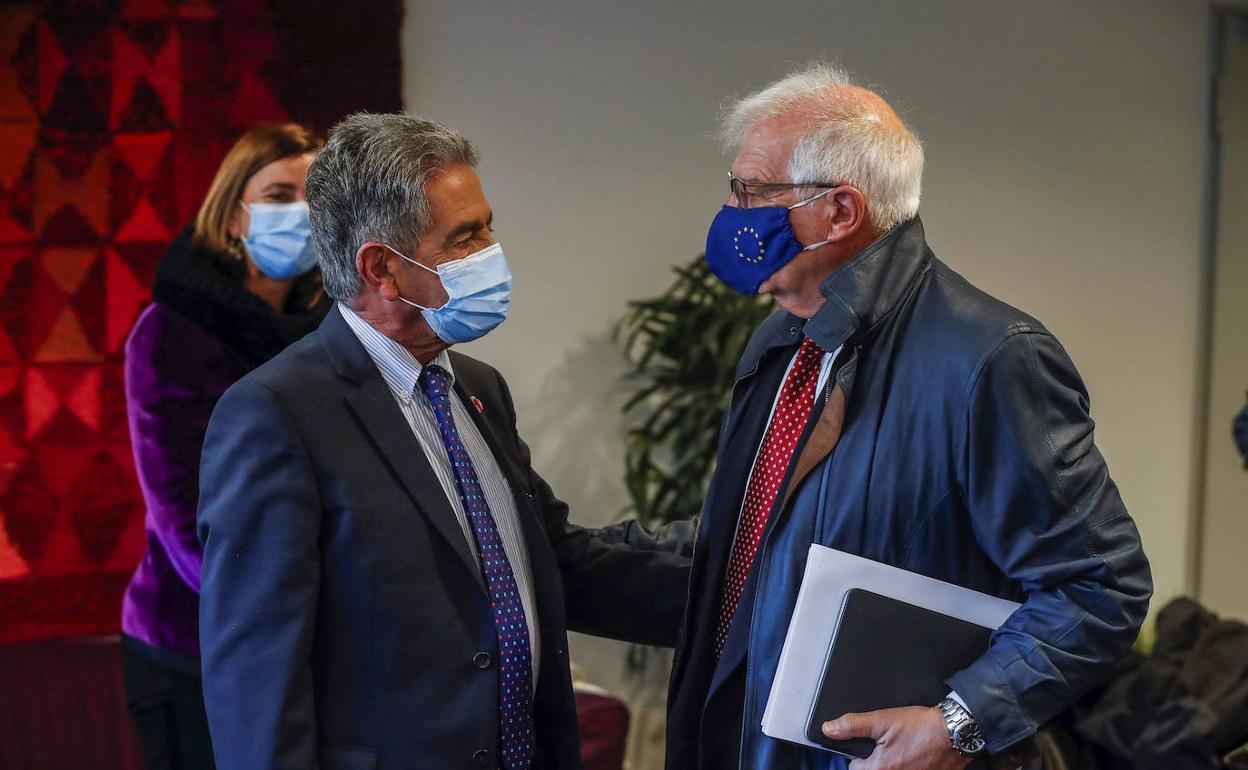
(387, 582)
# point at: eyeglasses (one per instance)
(765, 193)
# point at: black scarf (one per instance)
(208, 288)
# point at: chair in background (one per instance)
(603, 720)
(62, 705)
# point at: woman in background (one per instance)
(230, 293)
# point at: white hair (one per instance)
(847, 138)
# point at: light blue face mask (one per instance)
(478, 290)
(278, 239)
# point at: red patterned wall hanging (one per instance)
(113, 118)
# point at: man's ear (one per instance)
(373, 263)
(847, 214)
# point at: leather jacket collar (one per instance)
(860, 294)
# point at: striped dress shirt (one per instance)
(401, 371)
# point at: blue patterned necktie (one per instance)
(515, 661)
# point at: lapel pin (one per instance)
(477, 403)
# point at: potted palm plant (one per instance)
(682, 347)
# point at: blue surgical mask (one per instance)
(744, 247)
(478, 290)
(278, 239)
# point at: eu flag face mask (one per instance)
(278, 239)
(478, 290)
(744, 247)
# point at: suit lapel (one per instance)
(545, 570)
(737, 642)
(816, 447)
(373, 405)
(506, 462)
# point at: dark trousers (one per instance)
(168, 709)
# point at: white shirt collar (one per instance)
(398, 367)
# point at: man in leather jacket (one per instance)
(892, 410)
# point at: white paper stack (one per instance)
(830, 574)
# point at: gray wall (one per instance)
(1223, 575)
(1064, 145)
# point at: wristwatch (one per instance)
(963, 731)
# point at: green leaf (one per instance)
(683, 346)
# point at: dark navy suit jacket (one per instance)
(344, 622)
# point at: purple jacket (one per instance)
(204, 332)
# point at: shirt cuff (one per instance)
(953, 694)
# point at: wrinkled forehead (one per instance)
(457, 201)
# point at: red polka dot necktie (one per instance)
(793, 407)
(515, 656)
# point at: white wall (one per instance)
(1064, 143)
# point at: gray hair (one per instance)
(368, 184)
(848, 139)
